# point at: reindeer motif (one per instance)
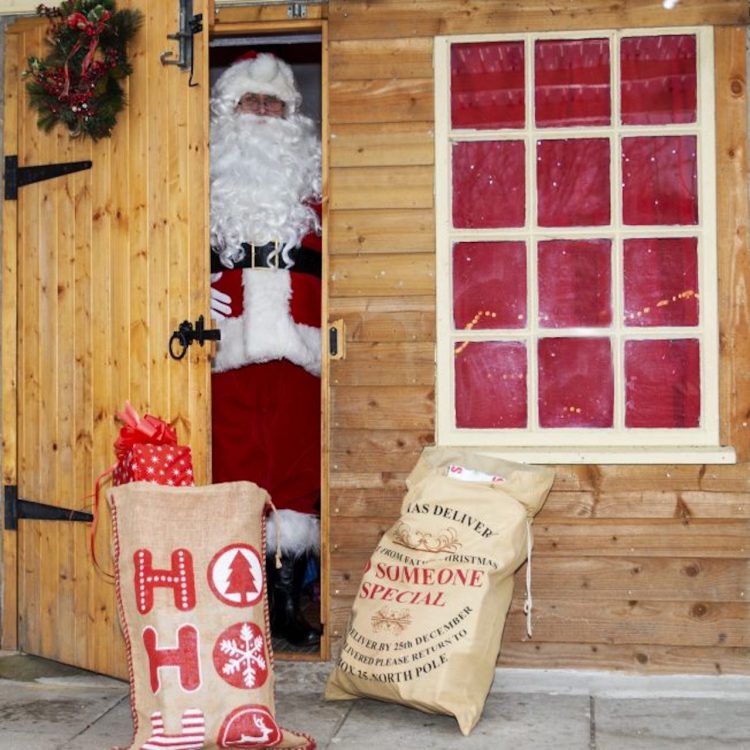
(265, 732)
(249, 726)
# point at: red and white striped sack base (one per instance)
(191, 592)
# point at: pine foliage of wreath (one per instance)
(78, 83)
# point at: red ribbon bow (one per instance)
(82, 23)
(141, 430)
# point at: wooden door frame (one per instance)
(235, 21)
(9, 602)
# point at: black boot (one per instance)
(284, 591)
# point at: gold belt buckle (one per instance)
(276, 255)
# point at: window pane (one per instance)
(576, 382)
(487, 85)
(490, 384)
(489, 285)
(573, 182)
(659, 180)
(575, 283)
(572, 82)
(658, 79)
(661, 282)
(663, 387)
(488, 184)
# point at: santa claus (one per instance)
(265, 190)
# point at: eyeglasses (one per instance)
(261, 104)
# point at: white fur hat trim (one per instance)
(264, 74)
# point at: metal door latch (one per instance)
(184, 336)
(296, 10)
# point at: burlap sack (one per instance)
(190, 580)
(427, 621)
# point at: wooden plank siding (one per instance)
(638, 568)
(411, 19)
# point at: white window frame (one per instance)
(582, 445)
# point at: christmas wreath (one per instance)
(79, 82)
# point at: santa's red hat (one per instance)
(258, 73)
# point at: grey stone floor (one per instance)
(46, 707)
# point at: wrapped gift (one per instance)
(147, 450)
(162, 464)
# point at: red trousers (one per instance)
(266, 429)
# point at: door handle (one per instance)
(186, 334)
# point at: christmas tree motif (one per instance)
(240, 656)
(240, 580)
(235, 575)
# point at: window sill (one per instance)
(617, 455)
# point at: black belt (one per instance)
(302, 259)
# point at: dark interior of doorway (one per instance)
(302, 52)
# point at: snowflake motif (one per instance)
(245, 656)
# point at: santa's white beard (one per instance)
(264, 173)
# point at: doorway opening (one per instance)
(266, 387)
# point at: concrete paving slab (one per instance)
(112, 729)
(619, 684)
(523, 722)
(671, 724)
(534, 722)
(299, 700)
(50, 712)
(310, 714)
(22, 741)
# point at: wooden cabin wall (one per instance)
(641, 568)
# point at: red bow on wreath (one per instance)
(93, 29)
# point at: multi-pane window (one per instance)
(577, 299)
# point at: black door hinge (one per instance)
(16, 177)
(17, 508)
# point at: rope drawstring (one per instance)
(277, 530)
(95, 520)
(528, 603)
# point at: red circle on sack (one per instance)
(249, 726)
(235, 575)
(240, 656)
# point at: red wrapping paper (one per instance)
(162, 464)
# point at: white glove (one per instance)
(221, 303)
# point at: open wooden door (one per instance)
(299, 36)
(100, 267)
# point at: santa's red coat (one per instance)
(266, 416)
